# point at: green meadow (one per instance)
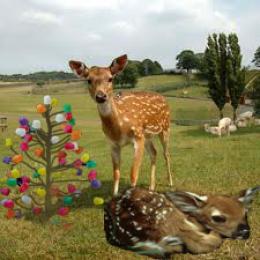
(201, 162)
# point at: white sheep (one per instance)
(211, 129)
(224, 126)
(232, 128)
(245, 116)
(241, 123)
(257, 121)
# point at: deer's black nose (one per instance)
(101, 97)
(243, 231)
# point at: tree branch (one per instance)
(33, 159)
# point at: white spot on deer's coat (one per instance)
(216, 212)
(126, 119)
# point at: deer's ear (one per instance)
(118, 64)
(78, 68)
(187, 202)
(247, 196)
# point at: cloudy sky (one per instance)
(45, 34)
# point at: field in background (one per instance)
(201, 162)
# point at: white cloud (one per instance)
(81, 4)
(50, 32)
(40, 17)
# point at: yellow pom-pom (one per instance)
(3, 180)
(85, 157)
(98, 201)
(15, 173)
(8, 142)
(54, 102)
(42, 171)
(40, 192)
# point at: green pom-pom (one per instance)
(91, 164)
(36, 175)
(11, 182)
(67, 108)
(67, 200)
(72, 121)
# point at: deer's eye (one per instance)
(110, 79)
(89, 81)
(219, 219)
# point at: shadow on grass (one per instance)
(84, 200)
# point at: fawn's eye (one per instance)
(89, 81)
(110, 79)
(219, 219)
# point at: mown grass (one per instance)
(202, 163)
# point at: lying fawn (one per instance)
(130, 117)
(158, 225)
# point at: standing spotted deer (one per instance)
(130, 117)
(158, 225)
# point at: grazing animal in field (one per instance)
(158, 225)
(224, 125)
(128, 117)
(244, 119)
(211, 129)
(232, 128)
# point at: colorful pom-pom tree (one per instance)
(38, 165)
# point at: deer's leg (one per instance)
(152, 153)
(138, 155)
(165, 139)
(116, 154)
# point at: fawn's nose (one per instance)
(243, 231)
(101, 97)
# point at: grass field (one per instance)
(201, 163)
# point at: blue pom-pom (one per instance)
(95, 184)
(79, 172)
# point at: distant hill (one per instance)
(39, 76)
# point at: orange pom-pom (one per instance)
(38, 152)
(79, 150)
(41, 108)
(75, 135)
(10, 214)
(17, 158)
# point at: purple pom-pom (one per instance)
(7, 159)
(95, 184)
(23, 121)
(79, 172)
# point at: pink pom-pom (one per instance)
(5, 191)
(26, 179)
(62, 161)
(71, 188)
(25, 127)
(77, 164)
(92, 175)
(63, 211)
(28, 138)
(37, 211)
(68, 116)
(24, 187)
(68, 129)
(24, 146)
(9, 204)
(69, 146)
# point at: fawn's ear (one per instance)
(118, 64)
(247, 196)
(78, 68)
(186, 201)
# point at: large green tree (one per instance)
(226, 77)
(256, 59)
(187, 60)
(235, 74)
(256, 96)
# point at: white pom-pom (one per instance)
(36, 124)
(26, 199)
(55, 139)
(2, 202)
(59, 118)
(20, 131)
(76, 146)
(47, 100)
